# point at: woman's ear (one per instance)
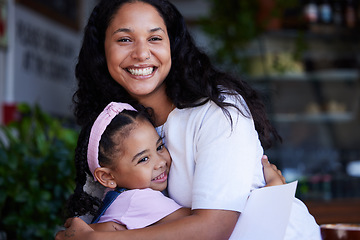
(104, 177)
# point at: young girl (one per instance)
(126, 155)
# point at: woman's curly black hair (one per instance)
(192, 79)
(80, 202)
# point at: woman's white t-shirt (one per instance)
(216, 164)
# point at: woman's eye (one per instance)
(123, 40)
(143, 160)
(155, 39)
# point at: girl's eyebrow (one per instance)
(138, 155)
(127, 30)
(160, 140)
(146, 150)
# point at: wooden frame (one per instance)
(66, 12)
(335, 211)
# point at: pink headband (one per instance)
(98, 128)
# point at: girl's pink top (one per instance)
(139, 208)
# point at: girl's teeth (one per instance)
(159, 177)
(141, 71)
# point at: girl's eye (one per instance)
(161, 147)
(145, 159)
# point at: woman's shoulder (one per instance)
(234, 103)
(210, 113)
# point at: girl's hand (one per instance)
(107, 227)
(272, 175)
(75, 229)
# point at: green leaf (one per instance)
(21, 196)
(36, 173)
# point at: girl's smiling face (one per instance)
(137, 50)
(142, 160)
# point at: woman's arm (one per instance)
(202, 224)
(221, 222)
(113, 226)
(180, 213)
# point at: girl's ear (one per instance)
(104, 177)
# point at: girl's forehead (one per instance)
(139, 137)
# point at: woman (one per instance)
(214, 125)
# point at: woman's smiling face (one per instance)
(137, 49)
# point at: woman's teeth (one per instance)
(141, 71)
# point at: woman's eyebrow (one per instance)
(122, 30)
(127, 30)
(157, 29)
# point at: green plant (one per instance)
(36, 174)
(231, 25)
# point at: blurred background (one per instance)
(303, 56)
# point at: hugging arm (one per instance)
(273, 176)
(176, 226)
(107, 227)
(202, 224)
(113, 226)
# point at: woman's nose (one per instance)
(141, 51)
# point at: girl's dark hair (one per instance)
(192, 79)
(80, 202)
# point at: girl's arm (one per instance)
(107, 227)
(273, 176)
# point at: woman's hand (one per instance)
(75, 229)
(272, 175)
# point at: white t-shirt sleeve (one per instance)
(225, 160)
(139, 208)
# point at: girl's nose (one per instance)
(141, 52)
(160, 163)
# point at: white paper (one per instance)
(266, 214)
